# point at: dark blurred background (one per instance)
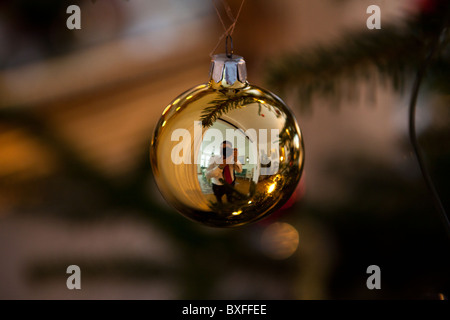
(77, 112)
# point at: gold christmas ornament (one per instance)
(227, 153)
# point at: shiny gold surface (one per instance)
(256, 192)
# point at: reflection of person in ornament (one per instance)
(221, 170)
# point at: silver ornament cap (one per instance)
(230, 71)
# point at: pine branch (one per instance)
(390, 55)
(218, 107)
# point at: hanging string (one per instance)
(228, 10)
(227, 31)
(413, 137)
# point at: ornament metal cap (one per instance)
(228, 70)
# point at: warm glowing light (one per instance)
(271, 187)
(250, 202)
(280, 240)
(177, 108)
(288, 132)
(166, 109)
(176, 101)
(164, 123)
(281, 158)
(236, 213)
(261, 101)
(187, 98)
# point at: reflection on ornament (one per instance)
(271, 187)
(227, 153)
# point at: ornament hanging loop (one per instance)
(230, 52)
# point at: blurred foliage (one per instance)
(388, 211)
(390, 55)
(388, 218)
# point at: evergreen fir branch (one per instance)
(389, 55)
(218, 107)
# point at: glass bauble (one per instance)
(227, 153)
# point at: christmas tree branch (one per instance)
(218, 107)
(391, 55)
(421, 73)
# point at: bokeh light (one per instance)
(279, 240)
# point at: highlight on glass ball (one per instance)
(227, 153)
